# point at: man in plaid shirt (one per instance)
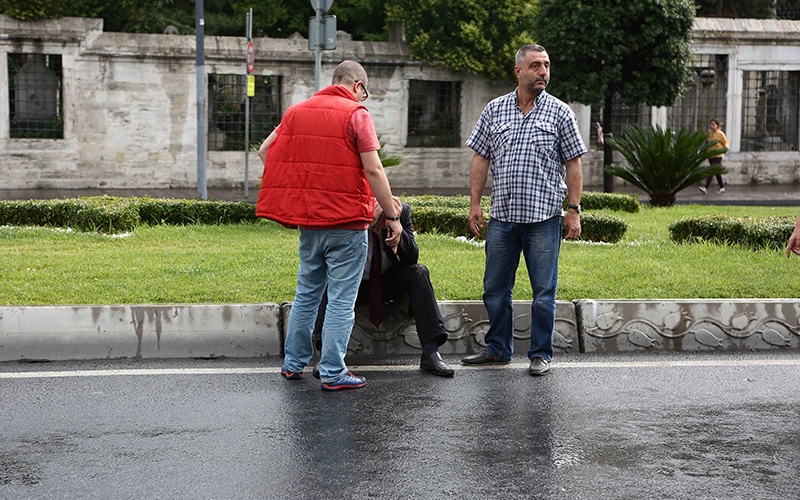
(531, 142)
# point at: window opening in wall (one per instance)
(35, 96)
(226, 110)
(704, 97)
(434, 117)
(770, 110)
(623, 115)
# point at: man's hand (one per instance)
(572, 223)
(394, 233)
(476, 220)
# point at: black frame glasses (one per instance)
(366, 92)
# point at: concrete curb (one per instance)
(256, 330)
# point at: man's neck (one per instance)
(525, 100)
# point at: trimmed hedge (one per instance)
(108, 214)
(620, 202)
(750, 232)
(181, 212)
(103, 214)
(450, 215)
(442, 214)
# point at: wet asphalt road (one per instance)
(671, 426)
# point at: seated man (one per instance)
(401, 275)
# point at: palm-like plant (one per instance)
(662, 163)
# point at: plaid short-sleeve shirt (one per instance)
(527, 155)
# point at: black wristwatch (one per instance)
(577, 208)
(393, 218)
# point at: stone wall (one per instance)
(258, 330)
(130, 117)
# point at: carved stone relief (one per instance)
(689, 325)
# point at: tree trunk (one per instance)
(662, 199)
(608, 153)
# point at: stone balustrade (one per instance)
(257, 330)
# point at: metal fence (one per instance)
(35, 96)
(226, 110)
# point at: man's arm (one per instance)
(383, 192)
(793, 247)
(574, 180)
(478, 174)
(407, 251)
(262, 151)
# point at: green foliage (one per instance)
(749, 232)
(475, 36)
(115, 215)
(752, 9)
(180, 212)
(254, 263)
(450, 215)
(620, 202)
(602, 228)
(103, 214)
(640, 50)
(663, 163)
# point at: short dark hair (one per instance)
(523, 51)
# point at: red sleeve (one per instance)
(362, 132)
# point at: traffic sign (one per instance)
(251, 58)
(326, 30)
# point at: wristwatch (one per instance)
(393, 218)
(577, 208)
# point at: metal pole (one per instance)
(318, 51)
(202, 125)
(247, 114)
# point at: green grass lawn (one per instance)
(249, 263)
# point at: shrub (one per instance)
(104, 214)
(620, 202)
(182, 212)
(602, 228)
(450, 215)
(754, 233)
(662, 162)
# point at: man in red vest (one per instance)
(321, 171)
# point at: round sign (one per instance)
(251, 57)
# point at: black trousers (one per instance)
(398, 281)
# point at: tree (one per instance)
(364, 19)
(476, 36)
(639, 50)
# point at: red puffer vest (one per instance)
(313, 176)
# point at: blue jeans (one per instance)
(332, 257)
(540, 243)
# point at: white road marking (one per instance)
(394, 368)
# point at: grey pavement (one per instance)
(662, 426)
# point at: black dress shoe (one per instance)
(316, 371)
(539, 366)
(483, 358)
(434, 364)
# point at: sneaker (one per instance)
(720, 190)
(703, 190)
(346, 381)
(291, 375)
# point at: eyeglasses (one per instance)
(366, 93)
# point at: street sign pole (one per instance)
(202, 124)
(320, 7)
(249, 62)
(318, 51)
